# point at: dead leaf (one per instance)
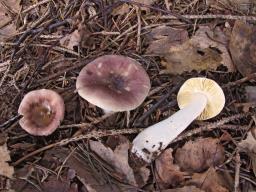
(243, 47)
(162, 38)
(249, 146)
(91, 179)
(121, 9)
(5, 169)
(7, 10)
(202, 52)
(79, 37)
(54, 185)
(184, 189)
(198, 155)
(167, 173)
(118, 159)
(208, 181)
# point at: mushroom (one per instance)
(114, 83)
(42, 111)
(199, 98)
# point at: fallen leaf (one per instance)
(54, 185)
(79, 37)
(118, 159)
(5, 169)
(167, 173)
(121, 9)
(198, 155)
(201, 52)
(91, 179)
(184, 189)
(7, 26)
(162, 38)
(243, 47)
(249, 146)
(208, 181)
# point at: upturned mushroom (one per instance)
(198, 98)
(42, 111)
(114, 83)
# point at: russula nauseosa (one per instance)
(113, 83)
(42, 111)
(198, 98)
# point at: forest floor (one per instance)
(45, 43)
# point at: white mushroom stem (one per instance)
(150, 142)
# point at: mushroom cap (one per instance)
(113, 83)
(42, 112)
(208, 87)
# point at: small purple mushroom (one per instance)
(42, 112)
(113, 83)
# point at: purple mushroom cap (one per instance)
(42, 112)
(113, 83)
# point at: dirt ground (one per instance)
(45, 44)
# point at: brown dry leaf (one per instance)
(121, 9)
(7, 26)
(118, 159)
(54, 185)
(162, 38)
(249, 146)
(243, 47)
(199, 53)
(5, 169)
(167, 173)
(209, 181)
(184, 189)
(78, 37)
(198, 155)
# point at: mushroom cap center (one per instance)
(116, 82)
(41, 114)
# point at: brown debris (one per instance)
(118, 159)
(7, 11)
(208, 181)
(243, 47)
(5, 169)
(189, 188)
(201, 52)
(248, 145)
(79, 37)
(162, 38)
(198, 155)
(167, 173)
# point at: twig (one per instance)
(138, 12)
(154, 107)
(228, 17)
(35, 5)
(240, 81)
(92, 134)
(210, 126)
(237, 172)
(174, 15)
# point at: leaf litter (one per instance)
(200, 52)
(199, 155)
(103, 165)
